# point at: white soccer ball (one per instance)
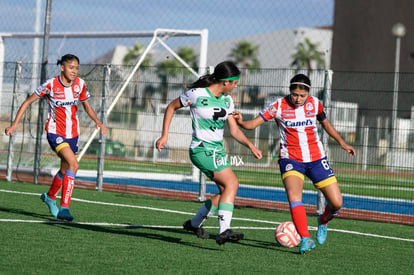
(286, 235)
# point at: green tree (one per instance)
(130, 59)
(306, 54)
(245, 54)
(166, 68)
(172, 67)
(189, 56)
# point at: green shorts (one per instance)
(209, 160)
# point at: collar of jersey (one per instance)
(208, 91)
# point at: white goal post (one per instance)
(158, 37)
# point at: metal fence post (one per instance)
(10, 154)
(101, 156)
(320, 207)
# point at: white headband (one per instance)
(301, 83)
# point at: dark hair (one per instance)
(223, 70)
(300, 81)
(66, 58)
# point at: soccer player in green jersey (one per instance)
(211, 106)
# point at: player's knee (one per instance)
(74, 166)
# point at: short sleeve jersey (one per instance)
(299, 139)
(63, 105)
(208, 115)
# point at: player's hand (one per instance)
(9, 130)
(237, 116)
(102, 127)
(256, 152)
(160, 144)
(351, 151)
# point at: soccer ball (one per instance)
(286, 235)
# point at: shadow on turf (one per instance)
(25, 213)
(127, 231)
(267, 245)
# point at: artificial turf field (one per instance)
(115, 233)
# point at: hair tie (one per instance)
(301, 83)
(231, 78)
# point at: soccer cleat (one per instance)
(322, 232)
(199, 231)
(229, 236)
(51, 204)
(64, 214)
(306, 245)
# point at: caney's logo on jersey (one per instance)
(66, 103)
(289, 167)
(293, 124)
(76, 90)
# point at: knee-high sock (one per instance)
(297, 210)
(329, 214)
(56, 184)
(205, 211)
(68, 184)
(225, 214)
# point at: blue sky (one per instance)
(225, 19)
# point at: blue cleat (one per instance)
(306, 245)
(64, 214)
(51, 204)
(322, 232)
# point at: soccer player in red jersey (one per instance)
(64, 92)
(302, 154)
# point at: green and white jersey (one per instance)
(208, 114)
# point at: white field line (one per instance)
(175, 227)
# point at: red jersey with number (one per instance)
(299, 139)
(63, 105)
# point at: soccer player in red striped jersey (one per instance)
(64, 92)
(302, 154)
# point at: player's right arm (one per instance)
(249, 124)
(9, 130)
(169, 112)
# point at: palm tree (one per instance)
(172, 67)
(306, 54)
(189, 56)
(130, 59)
(164, 69)
(245, 53)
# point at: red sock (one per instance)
(68, 184)
(299, 218)
(56, 184)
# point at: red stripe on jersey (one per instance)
(60, 121)
(314, 150)
(74, 109)
(295, 152)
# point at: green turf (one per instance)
(86, 247)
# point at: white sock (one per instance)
(225, 214)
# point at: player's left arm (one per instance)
(91, 113)
(240, 137)
(327, 126)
